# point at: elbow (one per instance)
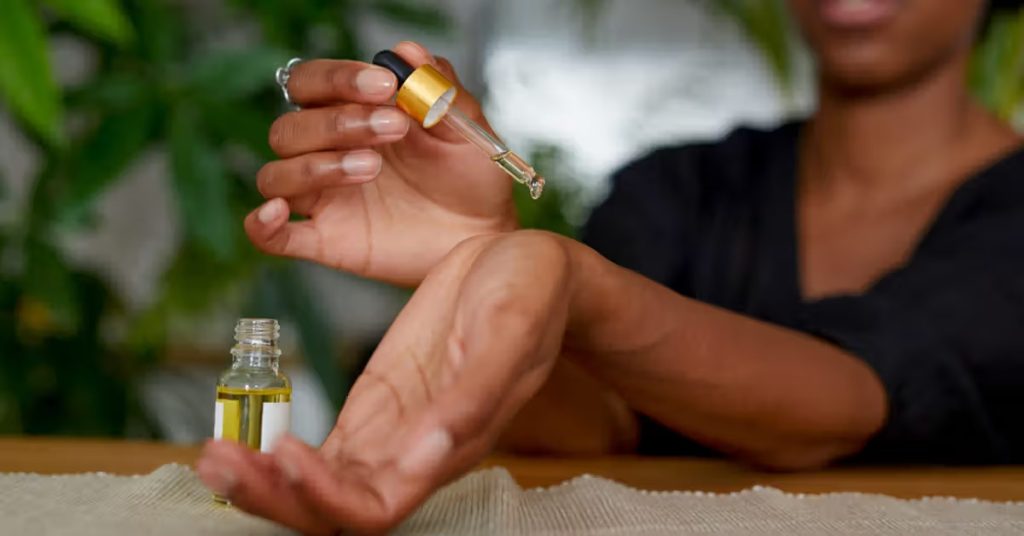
(848, 428)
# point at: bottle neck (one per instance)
(256, 345)
(256, 357)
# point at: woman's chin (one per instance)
(860, 75)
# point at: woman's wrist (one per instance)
(592, 279)
(594, 285)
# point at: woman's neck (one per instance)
(906, 138)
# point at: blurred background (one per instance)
(131, 132)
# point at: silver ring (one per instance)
(282, 76)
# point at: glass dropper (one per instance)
(426, 95)
(500, 154)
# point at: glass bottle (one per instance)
(253, 396)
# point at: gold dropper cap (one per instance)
(423, 92)
(426, 95)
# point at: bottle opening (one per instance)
(257, 331)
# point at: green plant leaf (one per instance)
(234, 74)
(201, 183)
(102, 18)
(766, 25)
(288, 24)
(195, 280)
(10, 412)
(50, 283)
(299, 305)
(415, 14)
(193, 284)
(112, 91)
(26, 80)
(552, 211)
(997, 64)
(11, 360)
(161, 31)
(104, 155)
(246, 126)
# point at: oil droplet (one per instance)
(536, 187)
(521, 172)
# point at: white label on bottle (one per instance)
(218, 421)
(276, 421)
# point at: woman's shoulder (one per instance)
(985, 213)
(661, 205)
(746, 156)
(998, 185)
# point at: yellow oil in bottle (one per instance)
(244, 412)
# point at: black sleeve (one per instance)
(644, 223)
(945, 335)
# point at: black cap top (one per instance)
(394, 63)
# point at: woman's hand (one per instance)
(475, 342)
(384, 198)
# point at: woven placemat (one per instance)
(172, 501)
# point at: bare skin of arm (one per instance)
(573, 414)
(768, 395)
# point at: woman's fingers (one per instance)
(347, 501)
(319, 82)
(307, 174)
(270, 231)
(252, 482)
(336, 127)
(456, 430)
(414, 53)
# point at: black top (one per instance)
(945, 332)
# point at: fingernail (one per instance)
(375, 82)
(388, 122)
(427, 454)
(361, 164)
(269, 212)
(220, 480)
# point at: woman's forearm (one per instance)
(770, 395)
(572, 415)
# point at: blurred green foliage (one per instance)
(560, 209)
(70, 354)
(766, 25)
(997, 68)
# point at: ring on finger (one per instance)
(282, 76)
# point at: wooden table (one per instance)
(50, 456)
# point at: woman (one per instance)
(851, 286)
